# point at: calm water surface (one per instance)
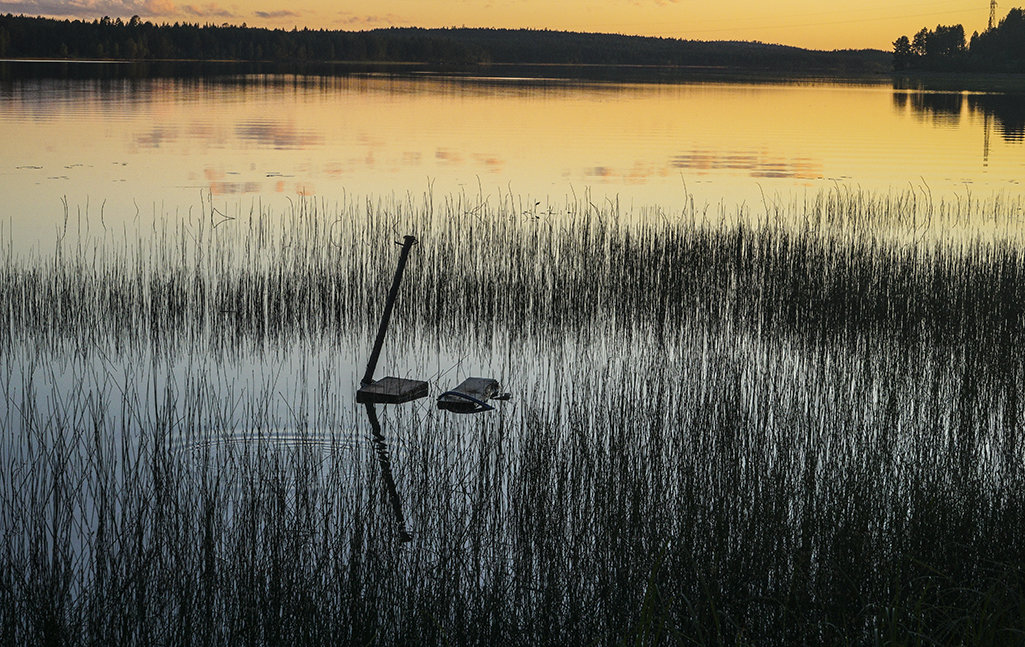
(729, 417)
(127, 147)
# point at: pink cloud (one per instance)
(88, 8)
(159, 7)
(285, 13)
(209, 10)
(389, 19)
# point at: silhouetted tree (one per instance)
(944, 48)
(1003, 47)
(946, 41)
(920, 44)
(902, 53)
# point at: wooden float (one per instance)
(470, 396)
(391, 390)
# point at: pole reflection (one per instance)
(384, 459)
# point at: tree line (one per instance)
(1000, 49)
(135, 39)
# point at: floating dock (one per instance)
(470, 396)
(391, 390)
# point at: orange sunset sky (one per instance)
(805, 23)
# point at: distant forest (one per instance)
(106, 38)
(1000, 49)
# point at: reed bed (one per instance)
(796, 424)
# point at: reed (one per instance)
(798, 424)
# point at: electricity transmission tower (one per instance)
(992, 12)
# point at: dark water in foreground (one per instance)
(717, 431)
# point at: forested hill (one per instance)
(28, 37)
(557, 47)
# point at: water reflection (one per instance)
(939, 108)
(236, 188)
(155, 137)
(384, 459)
(145, 70)
(753, 163)
(141, 144)
(1007, 110)
(947, 109)
(277, 135)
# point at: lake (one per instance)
(160, 146)
(752, 402)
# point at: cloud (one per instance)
(88, 8)
(372, 20)
(116, 8)
(285, 13)
(209, 10)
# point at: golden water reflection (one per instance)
(278, 135)
(161, 142)
(754, 163)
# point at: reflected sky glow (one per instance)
(159, 145)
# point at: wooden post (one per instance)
(368, 377)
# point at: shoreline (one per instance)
(1010, 83)
(587, 72)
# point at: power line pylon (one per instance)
(992, 13)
